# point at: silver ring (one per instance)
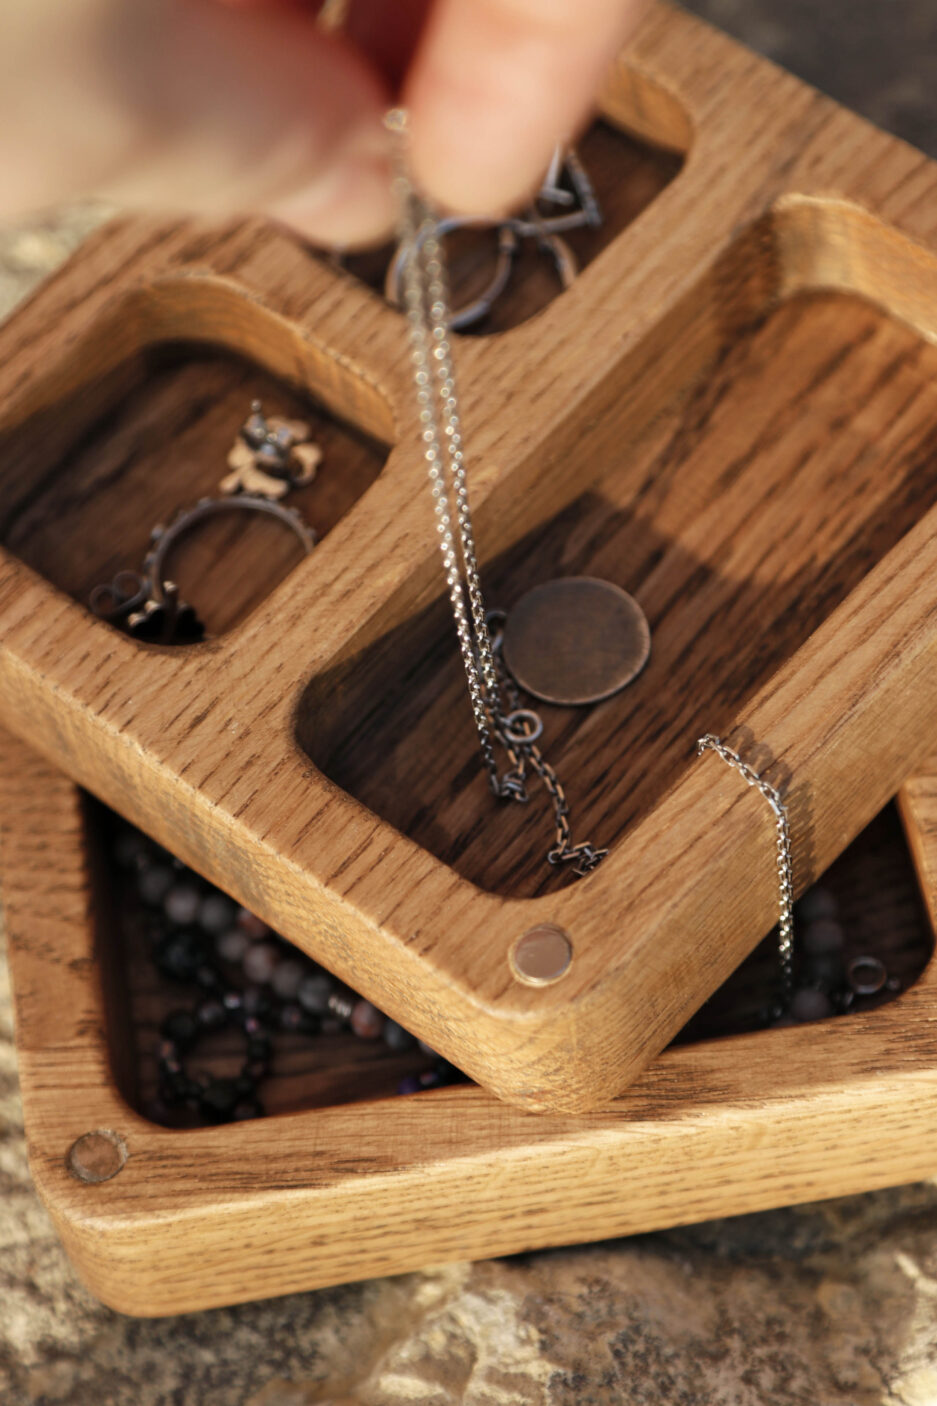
(165, 538)
(473, 312)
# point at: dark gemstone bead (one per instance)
(248, 1108)
(219, 1099)
(153, 883)
(255, 927)
(207, 977)
(252, 1025)
(182, 903)
(409, 1085)
(181, 1027)
(287, 978)
(256, 1002)
(233, 1002)
(216, 913)
(807, 1004)
(211, 1014)
(396, 1038)
(260, 962)
(231, 945)
(179, 956)
(246, 1086)
(314, 992)
(826, 972)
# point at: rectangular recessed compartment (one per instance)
(740, 522)
(327, 1190)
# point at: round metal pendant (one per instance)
(576, 640)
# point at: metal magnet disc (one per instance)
(575, 640)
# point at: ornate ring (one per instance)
(165, 538)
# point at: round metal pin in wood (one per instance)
(575, 640)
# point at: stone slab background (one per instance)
(825, 1305)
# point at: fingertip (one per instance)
(497, 84)
(350, 208)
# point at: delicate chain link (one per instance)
(785, 863)
(426, 300)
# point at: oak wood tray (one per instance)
(346, 1189)
(731, 413)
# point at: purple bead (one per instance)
(181, 903)
(153, 883)
(260, 962)
(823, 937)
(409, 1085)
(314, 992)
(231, 945)
(216, 913)
(808, 1005)
(287, 978)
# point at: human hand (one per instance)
(254, 105)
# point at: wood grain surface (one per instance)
(342, 1191)
(709, 414)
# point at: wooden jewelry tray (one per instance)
(730, 413)
(191, 1219)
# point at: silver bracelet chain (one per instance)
(785, 863)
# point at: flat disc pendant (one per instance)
(575, 640)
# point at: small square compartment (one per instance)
(131, 451)
(627, 172)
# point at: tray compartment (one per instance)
(627, 175)
(741, 522)
(88, 488)
(204, 1217)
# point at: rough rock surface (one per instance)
(827, 1305)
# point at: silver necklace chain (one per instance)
(785, 863)
(426, 301)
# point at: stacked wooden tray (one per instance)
(731, 414)
(345, 1180)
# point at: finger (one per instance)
(201, 107)
(497, 83)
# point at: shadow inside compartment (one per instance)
(873, 886)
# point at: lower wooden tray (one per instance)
(171, 1220)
